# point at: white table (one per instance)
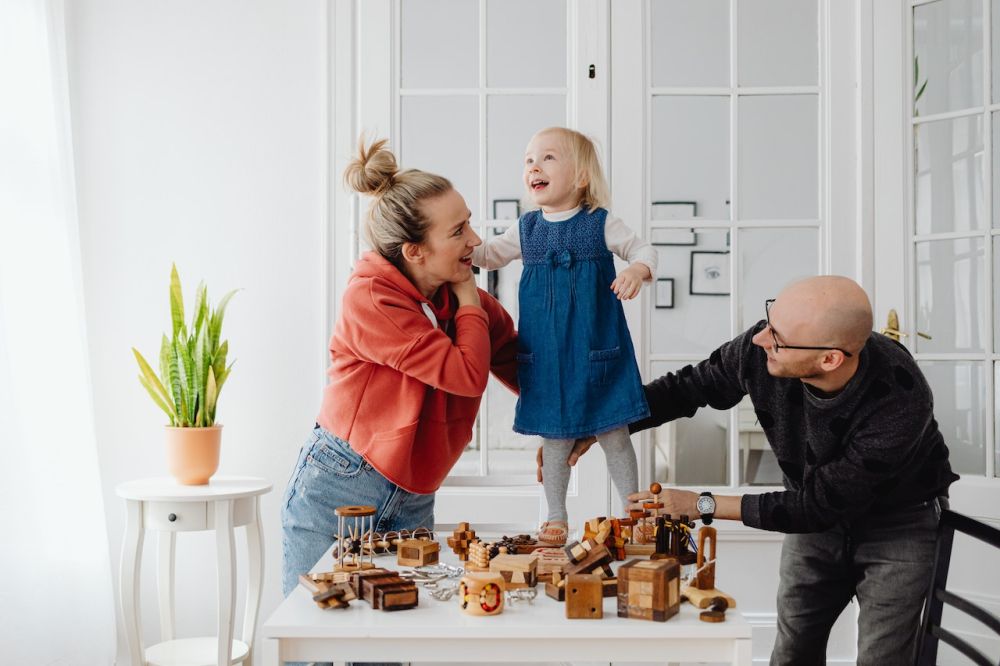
(539, 631)
(167, 507)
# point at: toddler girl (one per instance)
(576, 366)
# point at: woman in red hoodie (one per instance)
(409, 360)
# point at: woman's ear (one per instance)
(413, 253)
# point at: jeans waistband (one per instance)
(940, 503)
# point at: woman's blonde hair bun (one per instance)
(373, 170)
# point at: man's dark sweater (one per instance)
(872, 447)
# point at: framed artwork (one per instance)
(674, 210)
(709, 274)
(673, 237)
(506, 209)
(664, 292)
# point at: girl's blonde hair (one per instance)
(583, 153)
(396, 214)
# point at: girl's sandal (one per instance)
(553, 533)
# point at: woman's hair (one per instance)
(396, 214)
(583, 153)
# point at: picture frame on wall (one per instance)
(674, 210)
(506, 209)
(709, 273)
(673, 237)
(664, 293)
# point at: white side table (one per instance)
(168, 507)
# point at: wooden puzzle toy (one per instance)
(384, 589)
(518, 571)
(584, 597)
(460, 540)
(348, 551)
(481, 593)
(649, 589)
(417, 553)
(701, 590)
(329, 590)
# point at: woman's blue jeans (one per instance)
(329, 474)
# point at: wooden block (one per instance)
(518, 571)
(555, 591)
(609, 587)
(575, 551)
(398, 596)
(359, 576)
(584, 597)
(703, 598)
(549, 560)
(639, 549)
(648, 589)
(599, 557)
(417, 552)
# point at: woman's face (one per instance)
(445, 256)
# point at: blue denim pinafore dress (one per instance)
(576, 365)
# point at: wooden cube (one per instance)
(417, 552)
(518, 571)
(649, 589)
(584, 597)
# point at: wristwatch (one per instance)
(706, 507)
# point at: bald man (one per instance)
(850, 419)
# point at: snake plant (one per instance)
(192, 361)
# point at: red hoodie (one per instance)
(403, 393)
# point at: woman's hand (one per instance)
(628, 283)
(466, 291)
(579, 448)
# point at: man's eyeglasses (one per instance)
(774, 339)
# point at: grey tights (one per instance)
(621, 462)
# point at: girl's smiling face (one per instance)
(550, 175)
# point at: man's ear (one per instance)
(832, 360)
(413, 253)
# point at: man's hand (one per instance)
(579, 448)
(626, 286)
(685, 503)
(675, 502)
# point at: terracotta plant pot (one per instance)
(193, 453)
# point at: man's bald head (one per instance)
(834, 310)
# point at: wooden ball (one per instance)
(655, 488)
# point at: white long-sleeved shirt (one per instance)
(500, 250)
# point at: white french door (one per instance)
(458, 87)
(937, 236)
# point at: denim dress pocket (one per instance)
(332, 454)
(525, 364)
(604, 365)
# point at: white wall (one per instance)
(200, 138)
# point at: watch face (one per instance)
(706, 504)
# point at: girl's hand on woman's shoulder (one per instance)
(466, 291)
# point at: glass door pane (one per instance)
(950, 275)
(525, 53)
(439, 44)
(690, 155)
(690, 42)
(690, 452)
(778, 157)
(947, 56)
(960, 408)
(949, 175)
(691, 313)
(778, 43)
